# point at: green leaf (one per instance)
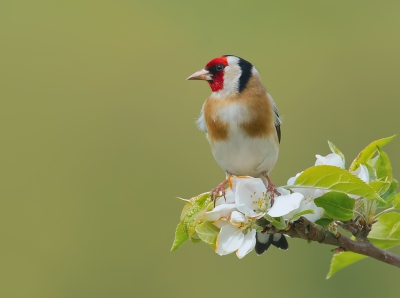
(195, 239)
(385, 234)
(342, 260)
(258, 228)
(182, 199)
(383, 167)
(277, 222)
(365, 155)
(372, 162)
(336, 179)
(324, 222)
(396, 201)
(334, 149)
(389, 195)
(380, 186)
(308, 211)
(207, 232)
(180, 237)
(371, 168)
(193, 212)
(387, 228)
(337, 205)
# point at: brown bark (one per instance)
(304, 229)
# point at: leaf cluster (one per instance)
(367, 208)
(356, 205)
(190, 226)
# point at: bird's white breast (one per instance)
(234, 113)
(241, 154)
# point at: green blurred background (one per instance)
(98, 138)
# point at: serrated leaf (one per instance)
(193, 212)
(365, 155)
(372, 162)
(324, 222)
(180, 237)
(383, 167)
(380, 186)
(334, 149)
(207, 232)
(342, 260)
(396, 201)
(191, 216)
(387, 228)
(337, 205)
(371, 170)
(385, 234)
(389, 195)
(335, 179)
(304, 212)
(195, 202)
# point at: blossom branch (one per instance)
(359, 228)
(304, 229)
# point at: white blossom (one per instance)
(362, 173)
(285, 203)
(245, 201)
(331, 159)
(231, 238)
(310, 194)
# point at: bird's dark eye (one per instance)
(220, 67)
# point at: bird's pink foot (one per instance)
(272, 190)
(219, 191)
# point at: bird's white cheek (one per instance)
(231, 78)
(232, 75)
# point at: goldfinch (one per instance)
(242, 125)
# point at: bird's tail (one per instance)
(263, 242)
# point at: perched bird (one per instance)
(242, 125)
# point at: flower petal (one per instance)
(283, 191)
(238, 220)
(237, 217)
(229, 239)
(234, 180)
(221, 211)
(249, 242)
(362, 173)
(306, 204)
(318, 211)
(220, 223)
(228, 199)
(250, 197)
(293, 179)
(332, 159)
(285, 204)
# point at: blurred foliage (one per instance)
(98, 136)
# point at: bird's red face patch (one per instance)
(216, 61)
(217, 82)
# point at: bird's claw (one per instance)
(271, 189)
(272, 193)
(219, 191)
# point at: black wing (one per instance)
(277, 120)
(277, 123)
(278, 131)
(263, 242)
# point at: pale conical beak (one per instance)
(201, 75)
